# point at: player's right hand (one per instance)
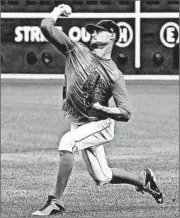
(63, 10)
(96, 106)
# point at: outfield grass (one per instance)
(32, 125)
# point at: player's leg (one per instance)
(95, 160)
(54, 205)
(78, 138)
(97, 166)
(66, 161)
(73, 141)
(120, 176)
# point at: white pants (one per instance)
(89, 139)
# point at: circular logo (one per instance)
(126, 34)
(169, 34)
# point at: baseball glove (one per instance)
(91, 90)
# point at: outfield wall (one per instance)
(148, 43)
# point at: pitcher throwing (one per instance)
(91, 79)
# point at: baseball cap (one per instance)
(106, 25)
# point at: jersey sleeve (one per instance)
(56, 36)
(120, 95)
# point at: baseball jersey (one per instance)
(80, 62)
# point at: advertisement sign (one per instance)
(75, 33)
(169, 34)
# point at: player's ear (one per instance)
(113, 36)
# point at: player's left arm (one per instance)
(121, 112)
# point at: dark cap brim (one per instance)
(90, 28)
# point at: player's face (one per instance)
(101, 37)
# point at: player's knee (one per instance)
(67, 143)
(103, 179)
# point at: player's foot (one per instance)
(149, 185)
(52, 207)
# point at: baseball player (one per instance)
(91, 79)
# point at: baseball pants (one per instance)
(89, 139)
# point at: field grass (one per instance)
(32, 125)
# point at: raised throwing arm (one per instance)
(53, 34)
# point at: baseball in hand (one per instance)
(67, 10)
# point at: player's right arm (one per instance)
(53, 34)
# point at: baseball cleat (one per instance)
(149, 185)
(52, 207)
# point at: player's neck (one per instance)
(104, 51)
